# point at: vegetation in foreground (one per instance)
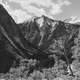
(58, 72)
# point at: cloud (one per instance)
(57, 8)
(31, 8)
(45, 7)
(20, 15)
(64, 2)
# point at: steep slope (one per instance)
(52, 37)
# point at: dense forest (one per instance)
(38, 49)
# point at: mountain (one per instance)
(73, 20)
(39, 38)
(13, 43)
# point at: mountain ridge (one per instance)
(37, 37)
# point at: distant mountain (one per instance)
(72, 20)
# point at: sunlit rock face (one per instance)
(43, 27)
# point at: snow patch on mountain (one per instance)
(73, 20)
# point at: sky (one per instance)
(22, 10)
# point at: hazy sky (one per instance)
(22, 10)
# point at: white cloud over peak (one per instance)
(45, 7)
(36, 8)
